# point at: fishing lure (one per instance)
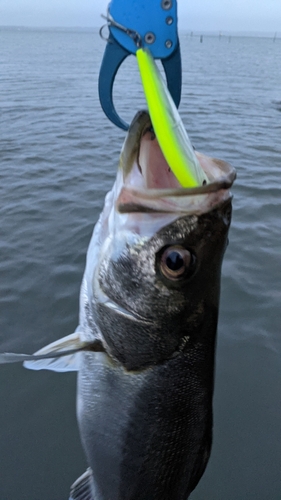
(167, 124)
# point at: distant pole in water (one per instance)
(191, 34)
(275, 36)
(220, 35)
(201, 38)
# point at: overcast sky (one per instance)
(205, 15)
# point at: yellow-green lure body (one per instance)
(168, 127)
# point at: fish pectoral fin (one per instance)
(59, 356)
(82, 488)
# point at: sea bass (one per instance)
(150, 294)
(147, 328)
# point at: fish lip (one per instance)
(139, 200)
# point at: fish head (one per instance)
(155, 262)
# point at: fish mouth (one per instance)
(149, 185)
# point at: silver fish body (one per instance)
(150, 295)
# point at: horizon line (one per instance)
(218, 32)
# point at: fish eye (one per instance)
(175, 262)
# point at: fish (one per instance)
(144, 348)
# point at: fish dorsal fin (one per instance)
(59, 356)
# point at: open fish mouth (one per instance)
(149, 185)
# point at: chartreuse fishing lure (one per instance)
(168, 127)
